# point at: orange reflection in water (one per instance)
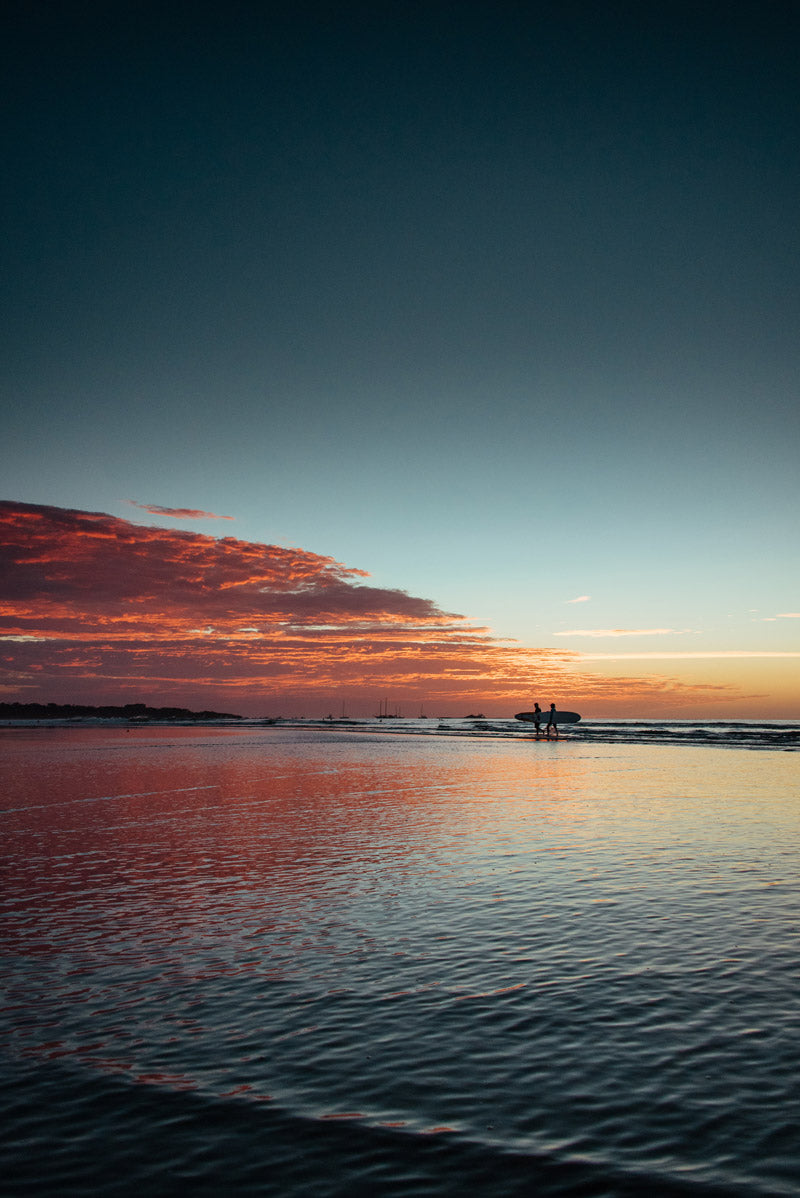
(156, 837)
(111, 833)
(175, 893)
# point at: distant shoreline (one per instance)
(728, 734)
(137, 712)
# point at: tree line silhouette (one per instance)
(130, 711)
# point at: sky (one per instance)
(484, 314)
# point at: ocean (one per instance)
(400, 957)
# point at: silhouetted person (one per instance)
(552, 720)
(537, 718)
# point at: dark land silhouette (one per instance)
(130, 711)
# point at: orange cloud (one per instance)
(97, 609)
(179, 513)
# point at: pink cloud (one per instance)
(97, 609)
(179, 513)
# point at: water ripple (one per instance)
(399, 966)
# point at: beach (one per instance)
(402, 958)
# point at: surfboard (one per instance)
(562, 717)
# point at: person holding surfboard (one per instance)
(554, 718)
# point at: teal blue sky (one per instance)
(496, 302)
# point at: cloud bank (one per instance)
(97, 609)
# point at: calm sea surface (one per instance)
(339, 961)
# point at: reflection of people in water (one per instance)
(537, 717)
(552, 720)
